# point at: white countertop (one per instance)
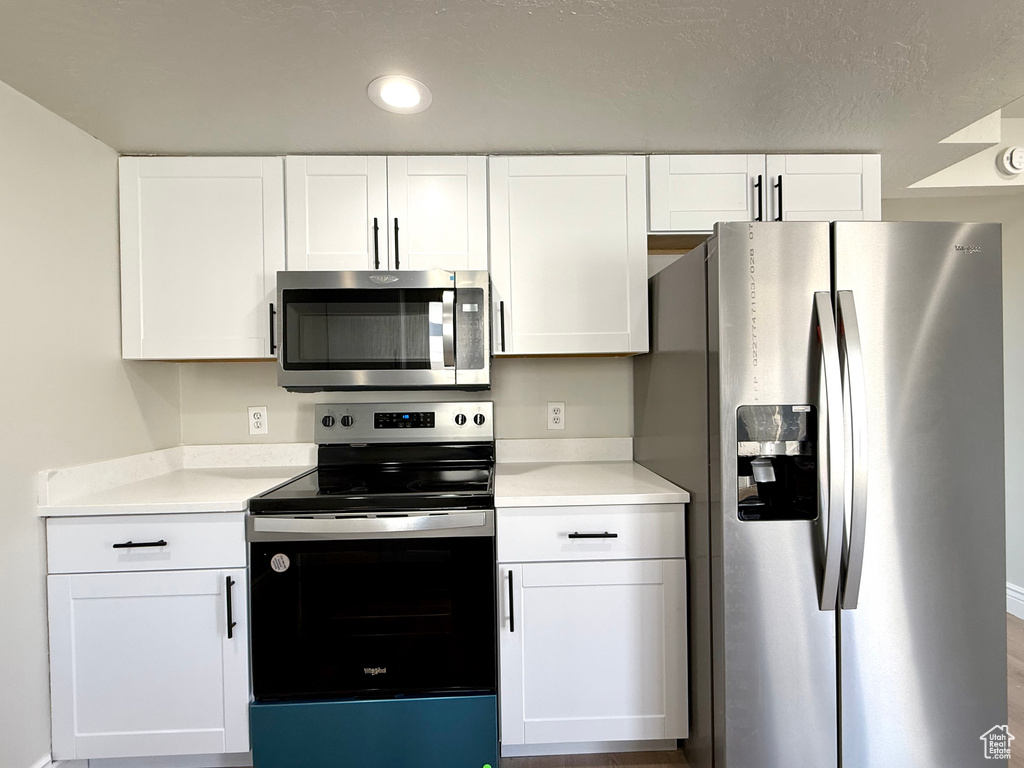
(224, 478)
(543, 484)
(175, 480)
(227, 489)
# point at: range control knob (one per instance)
(347, 421)
(460, 419)
(327, 421)
(479, 419)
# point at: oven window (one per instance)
(373, 618)
(358, 329)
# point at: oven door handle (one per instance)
(384, 524)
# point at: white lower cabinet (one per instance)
(148, 663)
(593, 651)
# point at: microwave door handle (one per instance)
(448, 328)
(435, 330)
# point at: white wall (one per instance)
(1008, 210)
(67, 398)
(598, 393)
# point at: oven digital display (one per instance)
(404, 420)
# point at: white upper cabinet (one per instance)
(440, 207)
(825, 187)
(569, 254)
(689, 193)
(202, 239)
(334, 204)
(386, 212)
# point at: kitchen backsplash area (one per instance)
(597, 392)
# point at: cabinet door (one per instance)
(202, 239)
(596, 651)
(825, 187)
(689, 193)
(569, 254)
(141, 664)
(440, 207)
(333, 204)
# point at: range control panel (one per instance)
(403, 422)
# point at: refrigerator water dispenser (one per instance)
(777, 468)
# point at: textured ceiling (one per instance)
(268, 76)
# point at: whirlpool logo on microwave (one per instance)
(374, 671)
(968, 248)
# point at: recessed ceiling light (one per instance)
(396, 93)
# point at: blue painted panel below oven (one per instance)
(444, 732)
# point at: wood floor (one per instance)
(1015, 689)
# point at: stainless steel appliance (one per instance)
(832, 397)
(373, 625)
(380, 330)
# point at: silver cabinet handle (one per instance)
(834, 451)
(448, 328)
(853, 377)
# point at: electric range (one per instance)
(372, 581)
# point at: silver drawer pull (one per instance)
(605, 535)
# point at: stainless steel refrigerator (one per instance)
(832, 397)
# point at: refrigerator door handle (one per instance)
(835, 449)
(853, 378)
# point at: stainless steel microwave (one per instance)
(402, 329)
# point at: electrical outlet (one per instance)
(257, 419)
(556, 415)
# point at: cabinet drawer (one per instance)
(90, 544)
(528, 534)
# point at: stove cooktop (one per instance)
(354, 488)
(369, 458)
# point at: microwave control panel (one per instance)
(471, 345)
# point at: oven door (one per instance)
(372, 617)
(381, 330)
